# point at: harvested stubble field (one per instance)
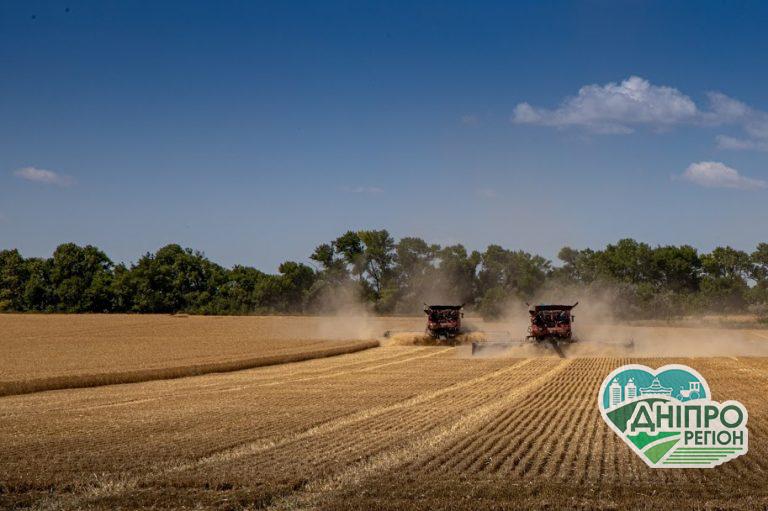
(393, 427)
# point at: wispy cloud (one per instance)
(470, 120)
(363, 189)
(739, 144)
(714, 174)
(754, 124)
(620, 108)
(47, 177)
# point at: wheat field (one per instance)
(390, 427)
(46, 352)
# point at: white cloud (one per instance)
(470, 120)
(753, 122)
(619, 108)
(363, 189)
(614, 108)
(714, 174)
(47, 177)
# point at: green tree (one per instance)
(457, 272)
(516, 273)
(378, 258)
(81, 279)
(415, 272)
(123, 288)
(676, 269)
(581, 267)
(333, 267)
(627, 261)
(350, 246)
(759, 260)
(296, 281)
(175, 279)
(724, 286)
(13, 277)
(38, 290)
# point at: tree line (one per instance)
(371, 267)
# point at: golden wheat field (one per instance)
(44, 352)
(391, 427)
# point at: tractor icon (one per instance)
(692, 392)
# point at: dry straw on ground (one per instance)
(394, 427)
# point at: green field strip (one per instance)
(708, 448)
(710, 455)
(659, 449)
(698, 455)
(692, 459)
(687, 463)
(642, 440)
(706, 452)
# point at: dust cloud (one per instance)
(597, 330)
(345, 315)
(599, 333)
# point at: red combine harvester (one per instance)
(443, 321)
(551, 326)
(551, 323)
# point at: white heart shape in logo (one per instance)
(667, 417)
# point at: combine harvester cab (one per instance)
(443, 321)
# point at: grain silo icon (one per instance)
(630, 390)
(615, 392)
(619, 394)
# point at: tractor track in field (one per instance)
(395, 427)
(427, 443)
(121, 484)
(531, 421)
(376, 354)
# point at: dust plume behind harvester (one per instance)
(549, 329)
(443, 327)
(550, 325)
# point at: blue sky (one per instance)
(254, 131)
